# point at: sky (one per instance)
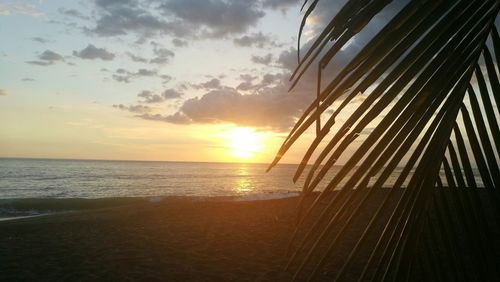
(170, 80)
(147, 80)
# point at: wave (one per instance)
(40, 206)
(22, 207)
(266, 196)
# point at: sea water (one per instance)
(29, 187)
(56, 178)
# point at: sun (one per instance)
(243, 143)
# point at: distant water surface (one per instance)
(49, 178)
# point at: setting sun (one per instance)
(243, 143)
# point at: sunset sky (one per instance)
(145, 80)
(177, 80)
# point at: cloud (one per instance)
(288, 59)
(146, 72)
(166, 78)
(179, 42)
(247, 77)
(279, 4)
(47, 58)
(52, 56)
(150, 98)
(123, 75)
(72, 13)
(122, 17)
(265, 60)
(19, 9)
(39, 39)
(171, 94)
(179, 18)
(138, 109)
(262, 102)
(214, 83)
(162, 56)
(28, 79)
(176, 118)
(275, 108)
(3, 92)
(138, 59)
(91, 53)
(268, 80)
(215, 18)
(258, 40)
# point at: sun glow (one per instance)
(243, 143)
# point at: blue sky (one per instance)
(74, 73)
(158, 80)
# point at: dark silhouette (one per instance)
(428, 79)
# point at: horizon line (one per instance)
(136, 160)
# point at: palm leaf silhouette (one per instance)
(430, 84)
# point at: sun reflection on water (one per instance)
(243, 184)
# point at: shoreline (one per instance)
(175, 239)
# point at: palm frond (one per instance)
(419, 76)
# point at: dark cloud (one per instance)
(3, 92)
(72, 13)
(51, 56)
(40, 39)
(179, 42)
(257, 39)
(215, 18)
(214, 83)
(171, 94)
(176, 118)
(180, 18)
(122, 17)
(274, 108)
(288, 59)
(39, 63)
(280, 4)
(245, 86)
(146, 72)
(150, 98)
(138, 59)
(247, 77)
(268, 80)
(47, 58)
(138, 109)
(123, 75)
(28, 79)
(265, 60)
(166, 78)
(162, 56)
(91, 53)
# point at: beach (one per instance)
(175, 239)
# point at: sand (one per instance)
(175, 239)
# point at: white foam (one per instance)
(20, 217)
(266, 196)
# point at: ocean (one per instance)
(51, 183)
(58, 178)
